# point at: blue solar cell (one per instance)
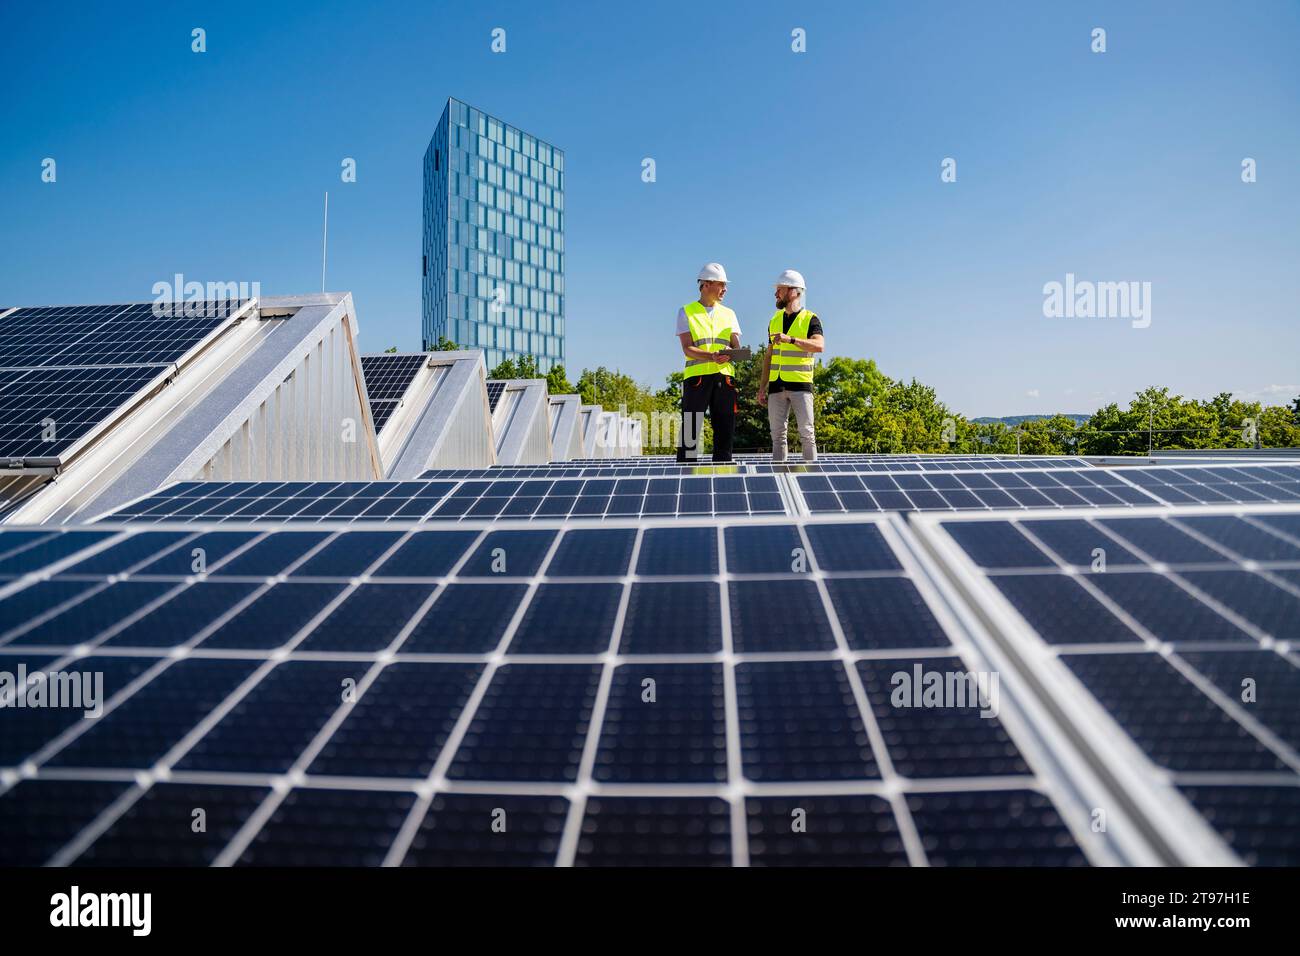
(272, 555)
(530, 725)
(21, 607)
(269, 728)
(568, 619)
(1288, 524)
(1167, 716)
(12, 541)
(273, 618)
(182, 616)
(1270, 608)
(644, 630)
(318, 827)
(1273, 680)
(213, 546)
(664, 723)
(465, 619)
(87, 618)
(596, 552)
(49, 550)
(427, 554)
(655, 831)
(347, 555)
(41, 816)
(1165, 609)
(832, 830)
(1243, 538)
(877, 613)
(1162, 541)
(947, 726)
(780, 615)
(1262, 823)
(151, 721)
(1077, 541)
(799, 721)
(146, 834)
(399, 725)
(992, 828)
(678, 551)
(462, 829)
(127, 553)
(90, 682)
(851, 547)
(1061, 611)
(509, 554)
(369, 619)
(996, 544)
(763, 549)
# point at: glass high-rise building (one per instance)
(493, 239)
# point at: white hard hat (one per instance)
(712, 272)
(791, 278)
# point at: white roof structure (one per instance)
(521, 422)
(276, 392)
(588, 418)
(607, 437)
(441, 417)
(630, 437)
(566, 427)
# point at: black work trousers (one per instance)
(715, 394)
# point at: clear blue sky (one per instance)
(1116, 166)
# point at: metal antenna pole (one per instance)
(324, 242)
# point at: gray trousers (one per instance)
(778, 415)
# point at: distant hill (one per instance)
(1017, 419)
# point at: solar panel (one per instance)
(135, 334)
(382, 412)
(662, 466)
(494, 391)
(403, 685)
(64, 371)
(595, 498)
(44, 412)
(389, 376)
(1178, 628)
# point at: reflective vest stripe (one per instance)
(711, 333)
(789, 362)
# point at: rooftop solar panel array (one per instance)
(1181, 628)
(494, 392)
(589, 492)
(650, 465)
(639, 662)
(403, 689)
(66, 370)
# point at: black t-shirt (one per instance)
(814, 328)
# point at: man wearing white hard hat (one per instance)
(786, 382)
(709, 333)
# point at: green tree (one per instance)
(557, 382)
(525, 366)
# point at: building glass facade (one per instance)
(493, 256)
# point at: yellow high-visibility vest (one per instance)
(789, 362)
(711, 333)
